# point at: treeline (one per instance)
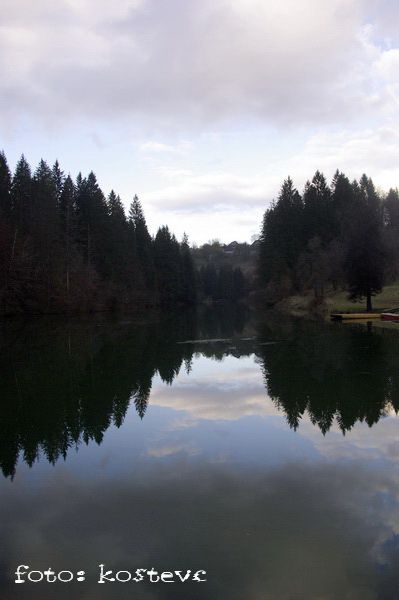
(224, 283)
(225, 271)
(65, 246)
(341, 235)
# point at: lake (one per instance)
(258, 449)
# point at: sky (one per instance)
(202, 108)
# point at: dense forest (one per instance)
(345, 235)
(66, 247)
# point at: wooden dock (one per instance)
(355, 316)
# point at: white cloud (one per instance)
(153, 146)
(217, 394)
(173, 76)
(184, 63)
(184, 198)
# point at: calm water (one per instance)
(267, 457)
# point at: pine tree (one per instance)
(318, 215)
(92, 216)
(117, 238)
(345, 203)
(68, 228)
(209, 280)
(21, 196)
(189, 284)
(391, 209)
(143, 243)
(58, 178)
(5, 188)
(168, 267)
(366, 255)
(281, 239)
(45, 227)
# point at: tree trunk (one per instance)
(369, 304)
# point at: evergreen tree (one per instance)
(239, 284)
(366, 254)
(189, 283)
(92, 215)
(391, 233)
(68, 228)
(58, 178)
(281, 237)
(209, 280)
(318, 215)
(344, 205)
(5, 188)
(21, 196)
(168, 266)
(391, 209)
(45, 227)
(143, 243)
(117, 238)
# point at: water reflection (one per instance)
(350, 374)
(301, 532)
(64, 385)
(207, 471)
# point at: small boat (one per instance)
(390, 315)
(351, 316)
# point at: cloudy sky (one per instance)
(202, 107)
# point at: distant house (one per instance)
(231, 248)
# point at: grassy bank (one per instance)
(306, 306)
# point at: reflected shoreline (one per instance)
(64, 385)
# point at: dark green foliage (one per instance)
(189, 282)
(143, 243)
(45, 229)
(59, 178)
(365, 256)
(209, 280)
(317, 214)
(282, 235)
(5, 188)
(169, 268)
(66, 247)
(91, 217)
(331, 236)
(67, 220)
(21, 196)
(226, 283)
(391, 209)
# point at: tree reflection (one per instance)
(63, 385)
(332, 372)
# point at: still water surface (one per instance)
(260, 450)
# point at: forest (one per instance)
(339, 236)
(66, 247)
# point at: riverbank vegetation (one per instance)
(67, 247)
(338, 238)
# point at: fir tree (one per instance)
(5, 188)
(21, 196)
(143, 243)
